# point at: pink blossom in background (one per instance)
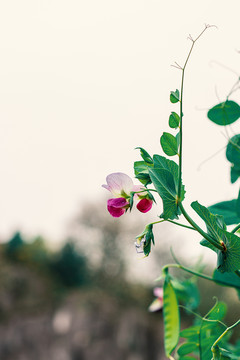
(157, 304)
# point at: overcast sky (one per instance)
(84, 82)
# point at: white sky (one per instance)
(82, 83)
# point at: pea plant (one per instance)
(208, 337)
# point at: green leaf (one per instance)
(224, 113)
(200, 337)
(145, 155)
(187, 292)
(141, 172)
(188, 348)
(231, 279)
(178, 139)
(233, 155)
(233, 150)
(191, 333)
(238, 205)
(210, 331)
(223, 354)
(164, 176)
(218, 312)
(235, 174)
(206, 243)
(169, 144)
(229, 257)
(174, 96)
(174, 120)
(214, 223)
(228, 209)
(229, 260)
(149, 239)
(171, 317)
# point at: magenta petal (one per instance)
(116, 212)
(117, 207)
(144, 205)
(118, 202)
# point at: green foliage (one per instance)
(187, 292)
(200, 337)
(174, 96)
(229, 257)
(174, 120)
(145, 156)
(224, 113)
(228, 209)
(233, 155)
(171, 317)
(230, 279)
(229, 260)
(178, 139)
(141, 167)
(214, 224)
(169, 144)
(141, 172)
(164, 176)
(222, 354)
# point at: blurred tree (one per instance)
(69, 266)
(13, 249)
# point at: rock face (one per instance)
(80, 329)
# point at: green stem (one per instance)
(157, 222)
(141, 191)
(204, 276)
(185, 226)
(180, 139)
(173, 222)
(181, 113)
(235, 229)
(181, 122)
(198, 229)
(224, 333)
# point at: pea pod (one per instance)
(171, 317)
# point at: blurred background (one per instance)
(82, 83)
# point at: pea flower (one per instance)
(157, 304)
(121, 186)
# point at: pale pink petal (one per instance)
(117, 207)
(156, 305)
(144, 205)
(119, 184)
(158, 292)
(137, 188)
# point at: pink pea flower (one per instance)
(121, 186)
(157, 304)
